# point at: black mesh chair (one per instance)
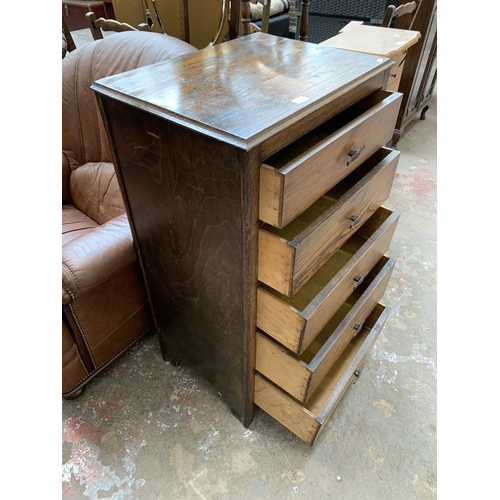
(328, 17)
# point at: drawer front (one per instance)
(396, 72)
(296, 177)
(300, 376)
(295, 321)
(307, 420)
(289, 257)
(394, 86)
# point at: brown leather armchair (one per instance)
(104, 301)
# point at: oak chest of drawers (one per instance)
(254, 174)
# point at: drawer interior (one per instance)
(306, 420)
(312, 350)
(334, 264)
(313, 138)
(318, 403)
(321, 395)
(317, 209)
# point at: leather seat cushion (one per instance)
(75, 223)
(95, 191)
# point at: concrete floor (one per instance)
(147, 430)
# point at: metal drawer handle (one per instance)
(358, 327)
(358, 280)
(354, 154)
(357, 373)
(354, 220)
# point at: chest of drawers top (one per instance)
(247, 90)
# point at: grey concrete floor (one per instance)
(147, 430)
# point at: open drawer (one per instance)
(306, 420)
(288, 257)
(295, 177)
(295, 321)
(301, 375)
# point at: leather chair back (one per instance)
(93, 188)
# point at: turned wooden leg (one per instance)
(245, 17)
(304, 21)
(395, 137)
(422, 115)
(75, 394)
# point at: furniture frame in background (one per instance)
(419, 76)
(97, 26)
(74, 11)
(401, 17)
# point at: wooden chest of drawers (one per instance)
(254, 174)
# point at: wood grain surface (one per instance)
(307, 420)
(319, 231)
(296, 176)
(386, 42)
(189, 136)
(301, 375)
(246, 90)
(196, 234)
(295, 321)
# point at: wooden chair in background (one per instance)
(401, 17)
(97, 26)
(68, 43)
(247, 26)
(201, 23)
(198, 22)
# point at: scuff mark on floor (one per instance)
(418, 183)
(85, 467)
(417, 355)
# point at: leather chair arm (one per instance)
(66, 172)
(95, 256)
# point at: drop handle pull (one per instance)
(356, 374)
(358, 280)
(354, 220)
(358, 327)
(354, 154)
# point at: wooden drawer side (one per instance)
(285, 410)
(276, 261)
(347, 281)
(300, 376)
(312, 238)
(315, 245)
(307, 420)
(316, 162)
(271, 185)
(350, 327)
(295, 321)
